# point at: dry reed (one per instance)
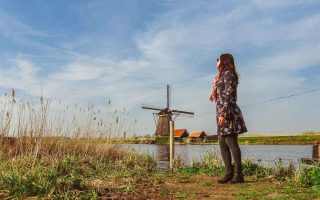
(32, 128)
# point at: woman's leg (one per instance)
(232, 143)
(226, 157)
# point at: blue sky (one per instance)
(127, 51)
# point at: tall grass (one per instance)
(48, 149)
(32, 127)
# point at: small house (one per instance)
(179, 134)
(211, 138)
(197, 136)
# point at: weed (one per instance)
(257, 170)
(164, 192)
(181, 195)
(308, 175)
(206, 183)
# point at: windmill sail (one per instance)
(168, 96)
(150, 107)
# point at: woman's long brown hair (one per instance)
(227, 63)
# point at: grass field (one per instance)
(294, 139)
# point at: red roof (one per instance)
(179, 132)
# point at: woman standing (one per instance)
(230, 122)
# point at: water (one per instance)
(263, 153)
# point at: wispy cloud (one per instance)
(13, 28)
(22, 75)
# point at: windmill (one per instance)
(165, 125)
(165, 115)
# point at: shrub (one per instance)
(251, 168)
(309, 175)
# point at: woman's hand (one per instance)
(221, 121)
(216, 80)
(213, 95)
(212, 98)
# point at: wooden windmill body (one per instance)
(163, 125)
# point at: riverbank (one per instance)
(299, 139)
(111, 173)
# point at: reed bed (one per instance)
(50, 150)
(33, 128)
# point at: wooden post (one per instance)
(171, 144)
(316, 151)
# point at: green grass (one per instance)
(309, 175)
(206, 183)
(276, 190)
(72, 177)
(162, 140)
(270, 140)
(93, 177)
(210, 164)
(164, 192)
(184, 194)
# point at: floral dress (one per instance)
(226, 91)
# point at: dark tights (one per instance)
(229, 145)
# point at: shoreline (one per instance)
(301, 139)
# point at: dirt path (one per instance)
(202, 187)
(175, 186)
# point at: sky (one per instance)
(125, 52)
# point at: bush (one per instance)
(282, 172)
(309, 175)
(251, 168)
(210, 164)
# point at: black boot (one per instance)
(237, 178)
(225, 179)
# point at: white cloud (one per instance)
(23, 75)
(79, 71)
(291, 60)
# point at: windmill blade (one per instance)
(155, 118)
(178, 112)
(150, 107)
(168, 96)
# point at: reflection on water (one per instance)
(265, 153)
(163, 156)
